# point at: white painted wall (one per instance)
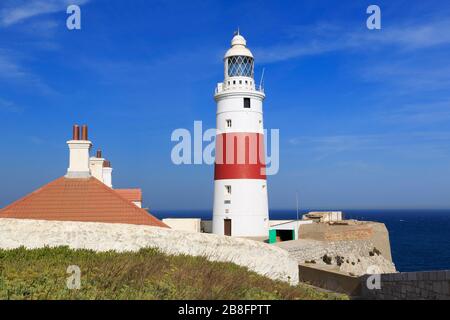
(290, 225)
(137, 204)
(78, 159)
(248, 210)
(191, 225)
(262, 258)
(107, 176)
(96, 167)
(231, 106)
(275, 222)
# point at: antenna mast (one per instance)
(262, 78)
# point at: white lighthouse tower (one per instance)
(240, 186)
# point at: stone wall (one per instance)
(259, 257)
(430, 285)
(354, 231)
(354, 258)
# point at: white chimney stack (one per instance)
(79, 154)
(96, 166)
(107, 174)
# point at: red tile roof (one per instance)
(130, 194)
(87, 200)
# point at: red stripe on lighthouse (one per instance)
(240, 155)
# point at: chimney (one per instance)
(76, 132)
(84, 133)
(79, 154)
(107, 173)
(96, 166)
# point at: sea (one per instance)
(420, 239)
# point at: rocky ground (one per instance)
(354, 257)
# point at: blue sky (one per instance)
(364, 116)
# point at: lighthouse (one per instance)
(240, 186)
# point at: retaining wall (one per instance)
(259, 257)
(430, 285)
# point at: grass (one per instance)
(147, 274)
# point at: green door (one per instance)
(272, 236)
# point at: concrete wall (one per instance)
(430, 285)
(191, 225)
(259, 257)
(330, 280)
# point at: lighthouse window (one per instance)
(240, 66)
(228, 123)
(228, 190)
(246, 102)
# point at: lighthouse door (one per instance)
(227, 227)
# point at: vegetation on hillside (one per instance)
(147, 274)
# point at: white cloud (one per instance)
(9, 106)
(9, 68)
(410, 144)
(11, 71)
(327, 38)
(425, 113)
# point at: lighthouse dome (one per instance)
(238, 47)
(239, 60)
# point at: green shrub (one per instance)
(147, 274)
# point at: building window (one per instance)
(246, 102)
(228, 190)
(227, 201)
(240, 81)
(228, 123)
(234, 81)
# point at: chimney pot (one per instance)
(99, 153)
(76, 132)
(84, 132)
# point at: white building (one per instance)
(240, 186)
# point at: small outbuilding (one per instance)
(286, 231)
